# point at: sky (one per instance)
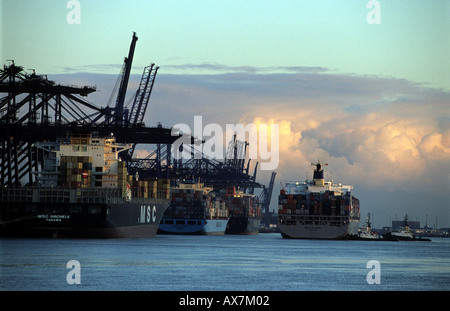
(370, 99)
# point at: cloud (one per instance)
(194, 69)
(93, 68)
(340, 112)
(221, 68)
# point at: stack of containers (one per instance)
(139, 188)
(347, 201)
(76, 172)
(238, 204)
(255, 210)
(153, 188)
(122, 179)
(290, 204)
(313, 202)
(163, 189)
(355, 202)
(218, 208)
(188, 204)
(327, 203)
(144, 186)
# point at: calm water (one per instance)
(255, 263)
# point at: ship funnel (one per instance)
(318, 175)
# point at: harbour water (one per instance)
(265, 262)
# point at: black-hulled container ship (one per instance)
(244, 210)
(84, 190)
(318, 209)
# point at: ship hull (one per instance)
(297, 230)
(120, 220)
(193, 226)
(243, 225)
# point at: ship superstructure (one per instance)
(317, 209)
(83, 161)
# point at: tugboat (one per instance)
(405, 234)
(368, 234)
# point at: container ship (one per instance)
(83, 190)
(245, 212)
(194, 209)
(317, 209)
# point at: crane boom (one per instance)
(143, 95)
(118, 113)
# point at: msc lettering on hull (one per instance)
(148, 214)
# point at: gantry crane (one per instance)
(35, 109)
